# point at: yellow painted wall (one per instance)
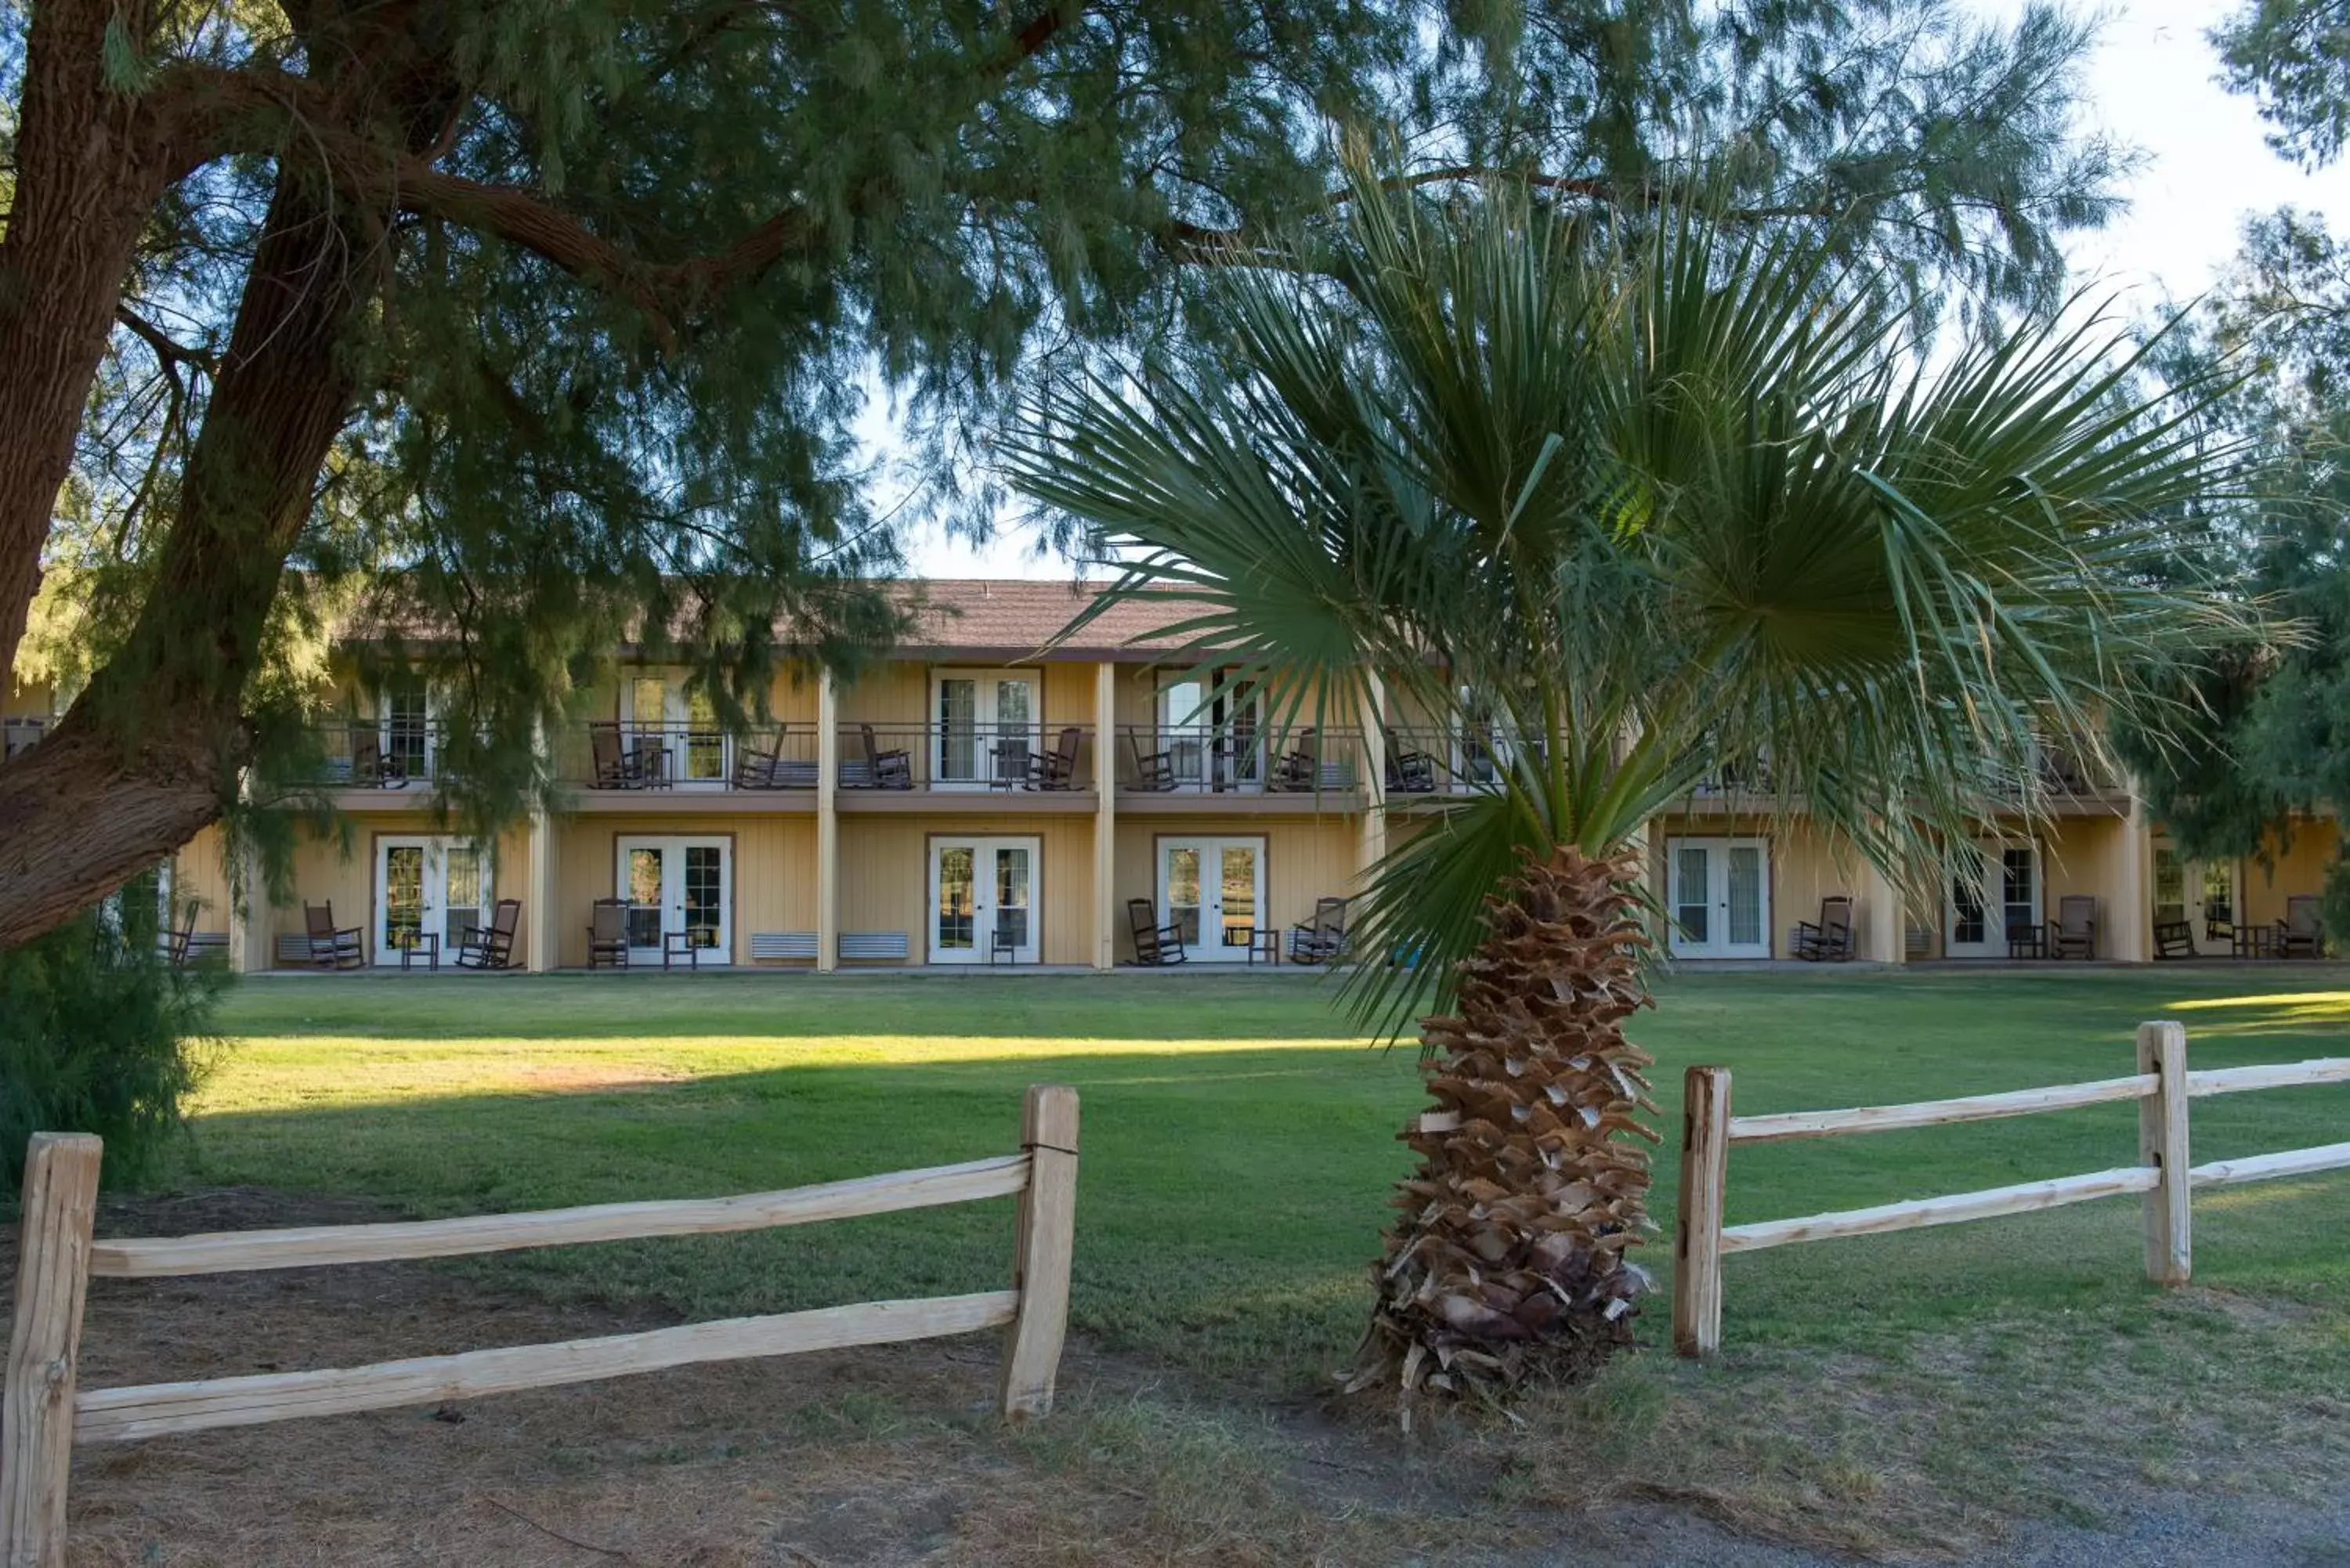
(33, 700)
(200, 873)
(1305, 859)
(2297, 866)
(775, 872)
(324, 871)
(884, 869)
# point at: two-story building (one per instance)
(989, 796)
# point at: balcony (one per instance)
(373, 757)
(1049, 761)
(1304, 768)
(19, 734)
(613, 767)
(1424, 764)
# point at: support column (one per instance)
(2129, 917)
(1371, 842)
(540, 948)
(1105, 816)
(249, 922)
(828, 826)
(1885, 935)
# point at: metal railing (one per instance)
(967, 757)
(607, 755)
(1163, 759)
(19, 734)
(368, 753)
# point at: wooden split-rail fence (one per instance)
(2164, 1174)
(44, 1414)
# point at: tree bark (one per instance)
(86, 178)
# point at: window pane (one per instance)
(705, 893)
(1011, 915)
(1745, 895)
(705, 748)
(1967, 897)
(1183, 892)
(644, 898)
(1238, 894)
(461, 906)
(956, 893)
(958, 729)
(2017, 889)
(406, 729)
(404, 893)
(2219, 891)
(1692, 899)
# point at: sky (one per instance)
(2153, 84)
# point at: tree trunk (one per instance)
(149, 753)
(1507, 1260)
(87, 179)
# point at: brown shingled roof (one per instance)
(1017, 618)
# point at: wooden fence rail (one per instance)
(2164, 1173)
(43, 1416)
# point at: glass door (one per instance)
(1213, 891)
(2200, 893)
(984, 729)
(1718, 892)
(678, 886)
(404, 732)
(1211, 733)
(678, 728)
(427, 884)
(983, 900)
(1994, 889)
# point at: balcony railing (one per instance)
(1432, 761)
(364, 754)
(967, 757)
(19, 734)
(608, 755)
(1163, 759)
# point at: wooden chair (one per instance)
(177, 943)
(370, 767)
(1015, 766)
(754, 766)
(1411, 773)
(1058, 769)
(616, 766)
(2302, 932)
(2073, 933)
(892, 769)
(491, 947)
(1298, 769)
(332, 946)
(2174, 939)
(1154, 943)
(608, 933)
(1829, 940)
(1324, 937)
(1153, 771)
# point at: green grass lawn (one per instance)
(1238, 1139)
(1238, 1152)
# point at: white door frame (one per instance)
(677, 727)
(1995, 906)
(2196, 878)
(433, 889)
(987, 727)
(986, 851)
(1209, 915)
(670, 910)
(1715, 897)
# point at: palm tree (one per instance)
(1622, 504)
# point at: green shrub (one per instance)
(98, 1033)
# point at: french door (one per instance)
(1994, 889)
(983, 900)
(682, 727)
(1213, 891)
(2203, 893)
(678, 884)
(1211, 736)
(984, 730)
(1718, 891)
(435, 885)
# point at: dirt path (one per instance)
(872, 1459)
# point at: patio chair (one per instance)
(2174, 939)
(1058, 769)
(491, 947)
(1829, 938)
(608, 933)
(332, 946)
(755, 766)
(892, 769)
(176, 944)
(371, 769)
(1153, 771)
(1153, 943)
(2073, 933)
(1411, 773)
(1324, 937)
(2302, 932)
(616, 766)
(1299, 769)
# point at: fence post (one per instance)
(37, 1410)
(1697, 1229)
(2162, 1143)
(1047, 1239)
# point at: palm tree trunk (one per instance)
(1506, 1261)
